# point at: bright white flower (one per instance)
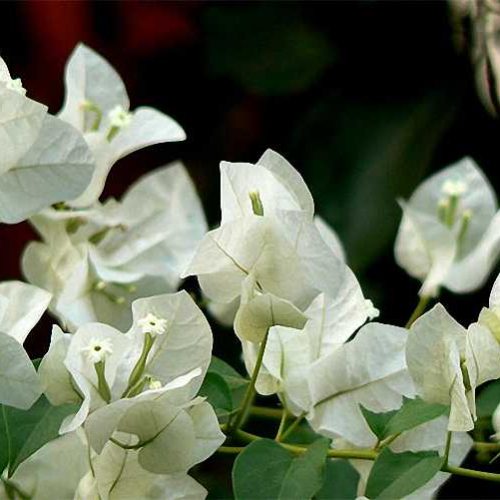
(447, 363)
(454, 187)
(119, 117)
(21, 306)
(153, 324)
(96, 262)
(97, 104)
(33, 176)
(285, 255)
(369, 370)
(449, 234)
(278, 185)
(70, 361)
(98, 350)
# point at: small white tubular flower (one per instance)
(119, 117)
(186, 347)
(447, 363)
(279, 186)
(449, 232)
(152, 324)
(452, 187)
(111, 131)
(98, 350)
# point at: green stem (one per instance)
(102, 384)
(360, 455)
(481, 446)
(140, 366)
(447, 448)
(421, 306)
(293, 426)
(262, 411)
(240, 417)
(281, 427)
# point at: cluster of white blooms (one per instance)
(130, 353)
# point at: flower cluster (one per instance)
(131, 395)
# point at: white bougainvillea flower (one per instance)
(117, 474)
(285, 255)
(449, 234)
(272, 181)
(369, 370)
(97, 104)
(54, 471)
(429, 436)
(98, 262)
(44, 160)
(21, 306)
(447, 363)
(99, 365)
(331, 322)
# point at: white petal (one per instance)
(57, 167)
(370, 370)
(25, 306)
(89, 77)
(19, 383)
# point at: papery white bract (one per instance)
(369, 370)
(21, 306)
(44, 160)
(97, 104)
(174, 363)
(97, 261)
(447, 363)
(449, 232)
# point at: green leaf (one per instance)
(396, 475)
(217, 392)
(22, 433)
(236, 383)
(281, 53)
(341, 481)
(306, 473)
(412, 413)
(488, 400)
(267, 470)
(377, 421)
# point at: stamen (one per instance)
(90, 107)
(257, 207)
